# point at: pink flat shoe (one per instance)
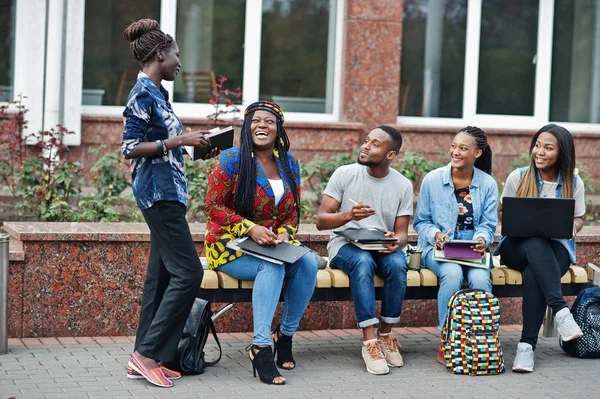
(170, 374)
(154, 376)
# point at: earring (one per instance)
(161, 59)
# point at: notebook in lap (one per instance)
(538, 217)
(365, 236)
(283, 252)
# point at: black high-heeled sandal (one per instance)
(283, 349)
(262, 360)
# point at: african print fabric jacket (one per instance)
(148, 117)
(224, 225)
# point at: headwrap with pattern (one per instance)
(265, 106)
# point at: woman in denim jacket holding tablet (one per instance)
(551, 174)
(458, 201)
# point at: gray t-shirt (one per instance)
(390, 196)
(548, 190)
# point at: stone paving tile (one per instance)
(328, 366)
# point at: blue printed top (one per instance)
(438, 210)
(149, 116)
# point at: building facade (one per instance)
(337, 67)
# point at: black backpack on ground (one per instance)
(190, 351)
(586, 311)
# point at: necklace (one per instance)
(547, 189)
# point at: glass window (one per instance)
(109, 69)
(575, 84)
(210, 35)
(507, 57)
(7, 42)
(297, 43)
(433, 58)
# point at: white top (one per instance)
(391, 196)
(278, 189)
(548, 191)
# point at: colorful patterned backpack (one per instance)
(586, 311)
(470, 336)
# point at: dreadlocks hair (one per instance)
(484, 162)
(246, 182)
(566, 163)
(145, 39)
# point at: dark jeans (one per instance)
(542, 262)
(172, 281)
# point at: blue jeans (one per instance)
(451, 276)
(361, 266)
(268, 278)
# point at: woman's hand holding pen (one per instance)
(262, 235)
(441, 238)
(360, 210)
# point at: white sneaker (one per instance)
(566, 325)
(523, 362)
(391, 350)
(374, 358)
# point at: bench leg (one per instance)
(221, 311)
(549, 330)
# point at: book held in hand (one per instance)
(482, 262)
(219, 138)
(461, 249)
(280, 253)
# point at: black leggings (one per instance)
(543, 262)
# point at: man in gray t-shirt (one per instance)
(370, 194)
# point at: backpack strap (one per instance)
(214, 333)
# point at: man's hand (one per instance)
(392, 246)
(360, 211)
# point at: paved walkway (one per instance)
(329, 366)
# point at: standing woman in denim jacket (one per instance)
(459, 201)
(152, 141)
(551, 174)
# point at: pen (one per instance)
(351, 200)
(445, 236)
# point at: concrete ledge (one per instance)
(85, 279)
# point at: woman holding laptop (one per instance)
(255, 191)
(550, 174)
(458, 201)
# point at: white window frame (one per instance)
(251, 85)
(541, 113)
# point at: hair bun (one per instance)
(137, 29)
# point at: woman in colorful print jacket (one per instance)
(255, 191)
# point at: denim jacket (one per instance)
(148, 117)
(437, 209)
(569, 245)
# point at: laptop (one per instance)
(538, 217)
(365, 236)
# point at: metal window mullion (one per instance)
(168, 24)
(472, 59)
(543, 75)
(252, 48)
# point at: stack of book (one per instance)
(460, 251)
